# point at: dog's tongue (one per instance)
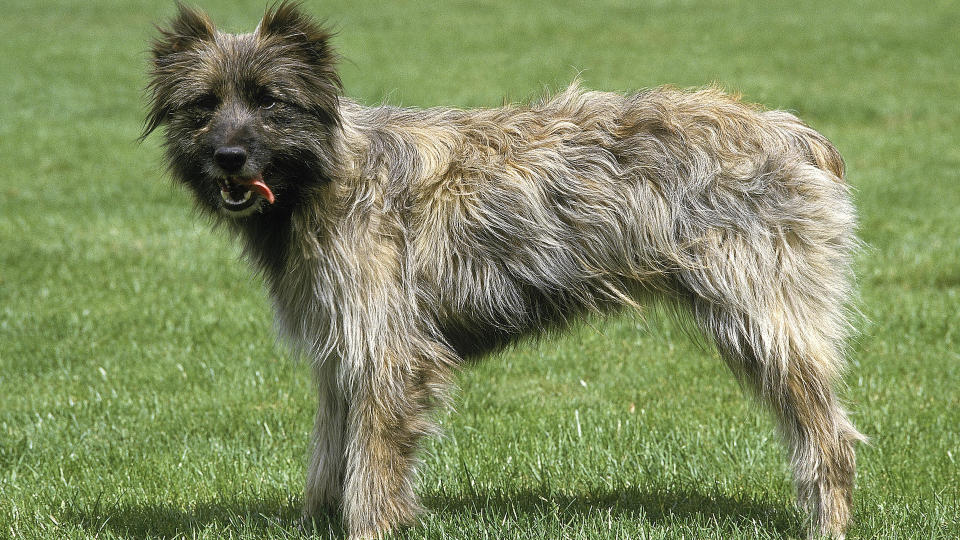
(256, 183)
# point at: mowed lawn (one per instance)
(142, 394)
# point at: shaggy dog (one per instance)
(398, 243)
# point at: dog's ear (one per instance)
(286, 21)
(308, 41)
(189, 27)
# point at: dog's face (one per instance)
(245, 115)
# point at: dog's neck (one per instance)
(362, 172)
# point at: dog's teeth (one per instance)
(228, 198)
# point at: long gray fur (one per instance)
(405, 241)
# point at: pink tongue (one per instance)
(257, 184)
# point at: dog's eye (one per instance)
(266, 102)
(208, 102)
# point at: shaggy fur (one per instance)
(403, 242)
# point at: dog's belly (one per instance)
(476, 319)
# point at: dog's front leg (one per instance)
(386, 420)
(325, 473)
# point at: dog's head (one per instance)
(245, 115)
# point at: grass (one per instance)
(142, 395)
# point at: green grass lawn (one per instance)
(142, 394)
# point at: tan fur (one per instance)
(416, 239)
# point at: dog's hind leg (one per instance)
(794, 375)
(775, 305)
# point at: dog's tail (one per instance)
(810, 142)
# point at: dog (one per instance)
(399, 243)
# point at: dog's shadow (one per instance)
(654, 506)
(253, 518)
(261, 517)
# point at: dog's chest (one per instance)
(302, 301)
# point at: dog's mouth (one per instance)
(242, 193)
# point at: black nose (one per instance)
(230, 158)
